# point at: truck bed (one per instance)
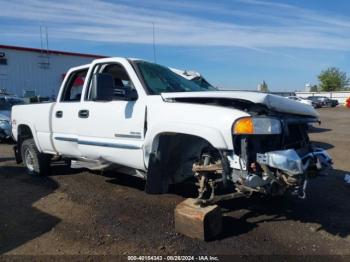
(38, 118)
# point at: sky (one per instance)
(234, 44)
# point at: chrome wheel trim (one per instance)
(29, 159)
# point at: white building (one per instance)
(30, 69)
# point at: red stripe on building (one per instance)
(56, 52)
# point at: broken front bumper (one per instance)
(293, 163)
(274, 172)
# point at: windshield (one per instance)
(160, 79)
(7, 103)
(203, 83)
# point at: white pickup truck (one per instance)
(148, 121)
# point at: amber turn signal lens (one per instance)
(244, 126)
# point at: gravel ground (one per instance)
(77, 212)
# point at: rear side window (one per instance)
(74, 87)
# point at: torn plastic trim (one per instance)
(323, 158)
(290, 162)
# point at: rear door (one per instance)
(65, 114)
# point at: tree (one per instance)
(332, 79)
(313, 88)
(263, 87)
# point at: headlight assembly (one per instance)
(257, 126)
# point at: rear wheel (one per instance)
(36, 163)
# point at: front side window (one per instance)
(74, 86)
(160, 79)
(120, 76)
(121, 79)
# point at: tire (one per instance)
(156, 182)
(37, 164)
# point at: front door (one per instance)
(113, 130)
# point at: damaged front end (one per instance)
(272, 156)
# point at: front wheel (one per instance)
(36, 163)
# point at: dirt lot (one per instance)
(77, 212)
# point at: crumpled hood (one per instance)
(5, 115)
(273, 102)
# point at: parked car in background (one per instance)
(324, 101)
(302, 100)
(332, 102)
(6, 103)
(5, 127)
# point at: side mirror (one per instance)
(102, 87)
(126, 93)
(131, 94)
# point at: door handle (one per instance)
(84, 113)
(59, 114)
